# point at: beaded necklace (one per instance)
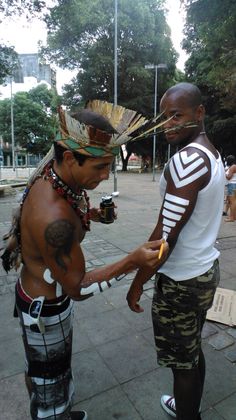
(79, 201)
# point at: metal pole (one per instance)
(12, 131)
(1, 157)
(168, 155)
(154, 136)
(115, 87)
(115, 56)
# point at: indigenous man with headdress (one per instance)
(192, 188)
(45, 240)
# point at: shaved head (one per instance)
(188, 91)
(181, 107)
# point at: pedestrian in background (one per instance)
(231, 187)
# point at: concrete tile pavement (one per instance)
(114, 358)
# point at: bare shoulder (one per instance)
(46, 215)
(232, 170)
(189, 166)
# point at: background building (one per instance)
(31, 72)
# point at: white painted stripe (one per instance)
(166, 229)
(168, 222)
(164, 236)
(177, 200)
(171, 215)
(173, 207)
(187, 180)
(187, 159)
(183, 172)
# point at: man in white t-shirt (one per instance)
(191, 184)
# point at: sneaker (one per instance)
(78, 415)
(168, 405)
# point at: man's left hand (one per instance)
(133, 297)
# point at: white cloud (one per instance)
(23, 35)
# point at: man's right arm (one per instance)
(188, 172)
(59, 246)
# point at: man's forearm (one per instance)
(109, 271)
(143, 275)
(143, 257)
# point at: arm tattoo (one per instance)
(60, 235)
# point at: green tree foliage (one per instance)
(81, 36)
(34, 125)
(47, 98)
(12, 7)
(210, 39)
(8, 62)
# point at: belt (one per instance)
(48, 309)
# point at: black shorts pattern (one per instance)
(48, 358)
(178, 312)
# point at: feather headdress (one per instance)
(84, 138)
(127, 125)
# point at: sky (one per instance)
(24, 36)
(175, 20)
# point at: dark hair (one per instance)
(230, 160)
(94, 119)
(59, 150)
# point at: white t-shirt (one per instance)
(194, 252)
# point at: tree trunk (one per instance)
(124, 160)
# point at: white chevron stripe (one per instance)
(187, 159)
(177, 200)
(183, 172)
(171, 215)
(173, 207)
(188, 180)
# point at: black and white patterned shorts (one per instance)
(48, 356)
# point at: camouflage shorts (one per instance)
(178, 313)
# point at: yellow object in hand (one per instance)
(161, 250)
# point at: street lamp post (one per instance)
(115, 90)
(156, 67)
(12, 131)
(115, 56)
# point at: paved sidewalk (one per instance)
(114, 358)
